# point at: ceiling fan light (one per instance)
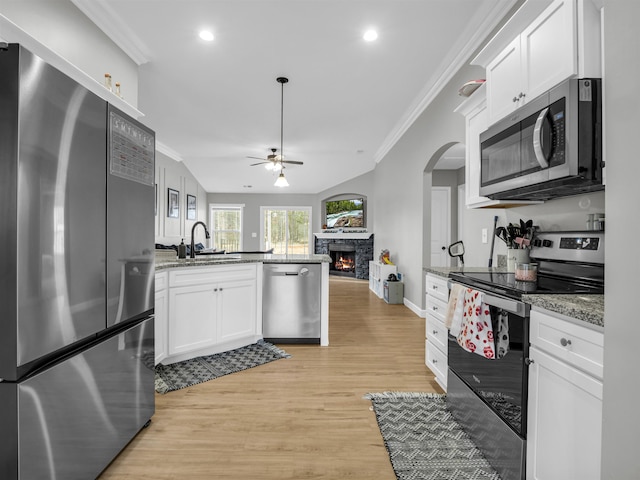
(281, 181)
(269, 166)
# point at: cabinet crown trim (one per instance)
(520, 20)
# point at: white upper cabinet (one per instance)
(532, 54)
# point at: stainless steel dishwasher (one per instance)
(291, 303)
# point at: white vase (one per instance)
(516, 255)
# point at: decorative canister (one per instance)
(516, 255)
(526, 272)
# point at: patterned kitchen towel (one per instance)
(476, 335)
(453, 317)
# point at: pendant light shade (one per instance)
(281, 181)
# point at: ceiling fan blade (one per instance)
(259, 163)
(257, 158)
(292, 162)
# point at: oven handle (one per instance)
(511, 306)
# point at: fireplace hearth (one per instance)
(343, 259)
(350, 257)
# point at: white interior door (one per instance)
(440, 226)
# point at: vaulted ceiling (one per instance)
(213, 103)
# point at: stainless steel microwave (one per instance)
(551, 147)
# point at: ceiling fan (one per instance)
(276, 162)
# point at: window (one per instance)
(286, 229)
(226, 227)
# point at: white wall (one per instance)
(401, 214)
(621, 422)
(63, 28)
(175, 175)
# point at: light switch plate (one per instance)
(254, 234)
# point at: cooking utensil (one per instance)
(456, 249)
(493, 240)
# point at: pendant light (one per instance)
(281, 181)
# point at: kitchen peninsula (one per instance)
(214, 303)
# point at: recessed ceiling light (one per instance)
(206, 35)
(370, 35)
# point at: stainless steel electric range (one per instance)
(489, 397)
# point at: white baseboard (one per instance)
(414, 308)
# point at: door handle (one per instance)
(538, 141)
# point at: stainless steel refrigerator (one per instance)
(76, 274)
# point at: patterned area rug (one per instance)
(424, 441)
(201, 369)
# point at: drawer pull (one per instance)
(564, 342)
(435, 287)
(435, 309)
(435, 332)
(434, 361)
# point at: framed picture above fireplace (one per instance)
(345, 211)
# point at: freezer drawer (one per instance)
(291, 303)
(71, 420)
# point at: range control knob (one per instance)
(536, 242)
(547, 243)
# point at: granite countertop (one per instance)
(588, 308)
(234, 258)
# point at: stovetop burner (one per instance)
(506, 284)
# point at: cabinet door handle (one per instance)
(215, 289)
(434, 361)
(522, 95)
(435, 309)
(564, 342)
(435, 287)
(515, 99)
(528, 361)
(435, 332)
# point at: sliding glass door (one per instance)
(286, 229)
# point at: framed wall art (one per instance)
(191, 207)
(173, 203)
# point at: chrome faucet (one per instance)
(193, 243)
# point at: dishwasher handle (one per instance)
(302, 273)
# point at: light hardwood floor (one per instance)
(297, 418)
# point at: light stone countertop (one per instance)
(235, 258)
(586, 307)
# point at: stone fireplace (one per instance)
(349, 256)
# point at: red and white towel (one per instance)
(476, 334)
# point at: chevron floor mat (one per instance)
(202, 369)
(424, 441)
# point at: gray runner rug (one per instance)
(424, 441)
(201, 369)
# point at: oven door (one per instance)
(501, 383)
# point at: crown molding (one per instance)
(476, 33)
(169, 152)
(107, 20)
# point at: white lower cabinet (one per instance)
(161, 316)
(436, 334)
(565, 399)
(212, 309)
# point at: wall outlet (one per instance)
(485, 238)
(254, 234)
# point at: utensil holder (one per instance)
(516, 255)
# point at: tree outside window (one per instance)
(286, 229)
(226, 227)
